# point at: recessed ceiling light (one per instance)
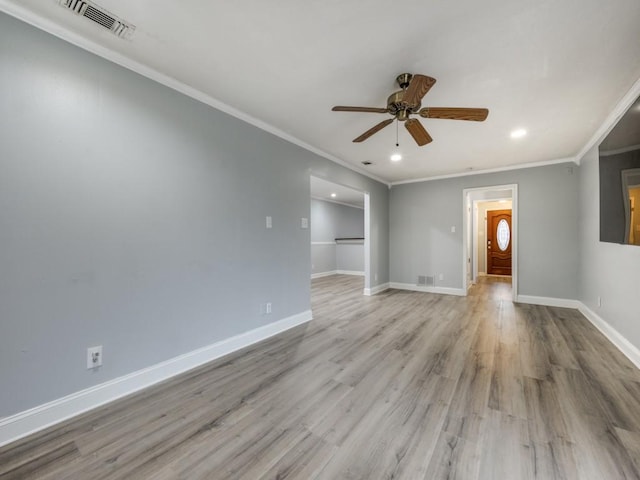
(333, 195)
(519, 133)
(396, 157)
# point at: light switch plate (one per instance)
(304, 223)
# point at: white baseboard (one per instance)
(30, 421)
(350, 272)
(324, 274)
(369, 292)
(547, 301)
(336, 272)
(615, 337)
(460, 292)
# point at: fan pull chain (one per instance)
(397, 142)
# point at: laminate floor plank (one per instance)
(401, 385)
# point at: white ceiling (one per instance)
(322, 190)
(555, 68)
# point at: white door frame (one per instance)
(367, 243)
(368, 277)
(468, 232)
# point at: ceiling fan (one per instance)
(406, 102)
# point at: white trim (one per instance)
(489, 170)
(369, 277)
(345, 204)
(323, 274)
(625, 346)
(547, 301)
(51, 27)
(369, 292)
(459, 292)
(337, 272)
(30, 421)
(323, 243)
(620, 109)
(608, 153)
(350, 272)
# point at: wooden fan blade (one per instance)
(473, 114)
(417, 131)
(373, 130)
(360, 109)
(418, 88)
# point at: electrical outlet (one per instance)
(94, 357)
(269, 222)
(304, 223)
(441, 276)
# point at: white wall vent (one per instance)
(100, 16)
(425, 281)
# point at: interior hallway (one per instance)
(401, 385)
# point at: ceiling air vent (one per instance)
(100, 16)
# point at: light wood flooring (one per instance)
(402, 385)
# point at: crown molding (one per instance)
(30, 17)
(489, 170)
(612, 119)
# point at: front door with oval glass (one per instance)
(499, 239)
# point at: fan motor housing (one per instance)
(396, 107)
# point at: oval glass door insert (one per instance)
(503, 234)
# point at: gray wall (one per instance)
(607, 270)
(422, 215)
(133, 217)
(328, 222)
(350, 257)
(332, 220)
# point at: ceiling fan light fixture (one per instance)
(519, 133)
(334, 195)
(396, 157)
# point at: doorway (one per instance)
(491, 240)
(338, 230)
